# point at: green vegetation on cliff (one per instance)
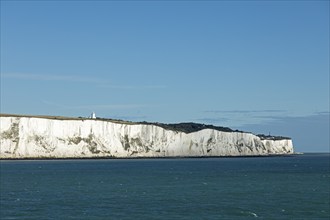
(187, 127)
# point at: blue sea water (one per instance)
(290, 187)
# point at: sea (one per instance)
(282, 187)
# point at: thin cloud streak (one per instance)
(323, 113)
(99, 107)
(48, 77)
(134, 87)
(241, 117)
(246, 111)
(115, 106)
(306, 118)
(212, 120)
(77, 79)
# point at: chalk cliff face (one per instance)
(32, 137)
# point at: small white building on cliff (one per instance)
(93, 115)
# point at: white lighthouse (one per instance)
(93, 115)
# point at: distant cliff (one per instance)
(61, 137)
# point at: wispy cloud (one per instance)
(246, 111)
(55, 77)
(314, 116)
(134, 87)
(323, 113)
(213, 120)
(241, 117)
(101, 82)
(99, 106)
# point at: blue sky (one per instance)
(260, 66)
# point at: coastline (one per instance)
(152, 158)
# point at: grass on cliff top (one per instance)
(68, 118)
(187, 127)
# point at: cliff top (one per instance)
(187, 127)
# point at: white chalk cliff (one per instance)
(41, 137)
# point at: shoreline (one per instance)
(151, 158)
